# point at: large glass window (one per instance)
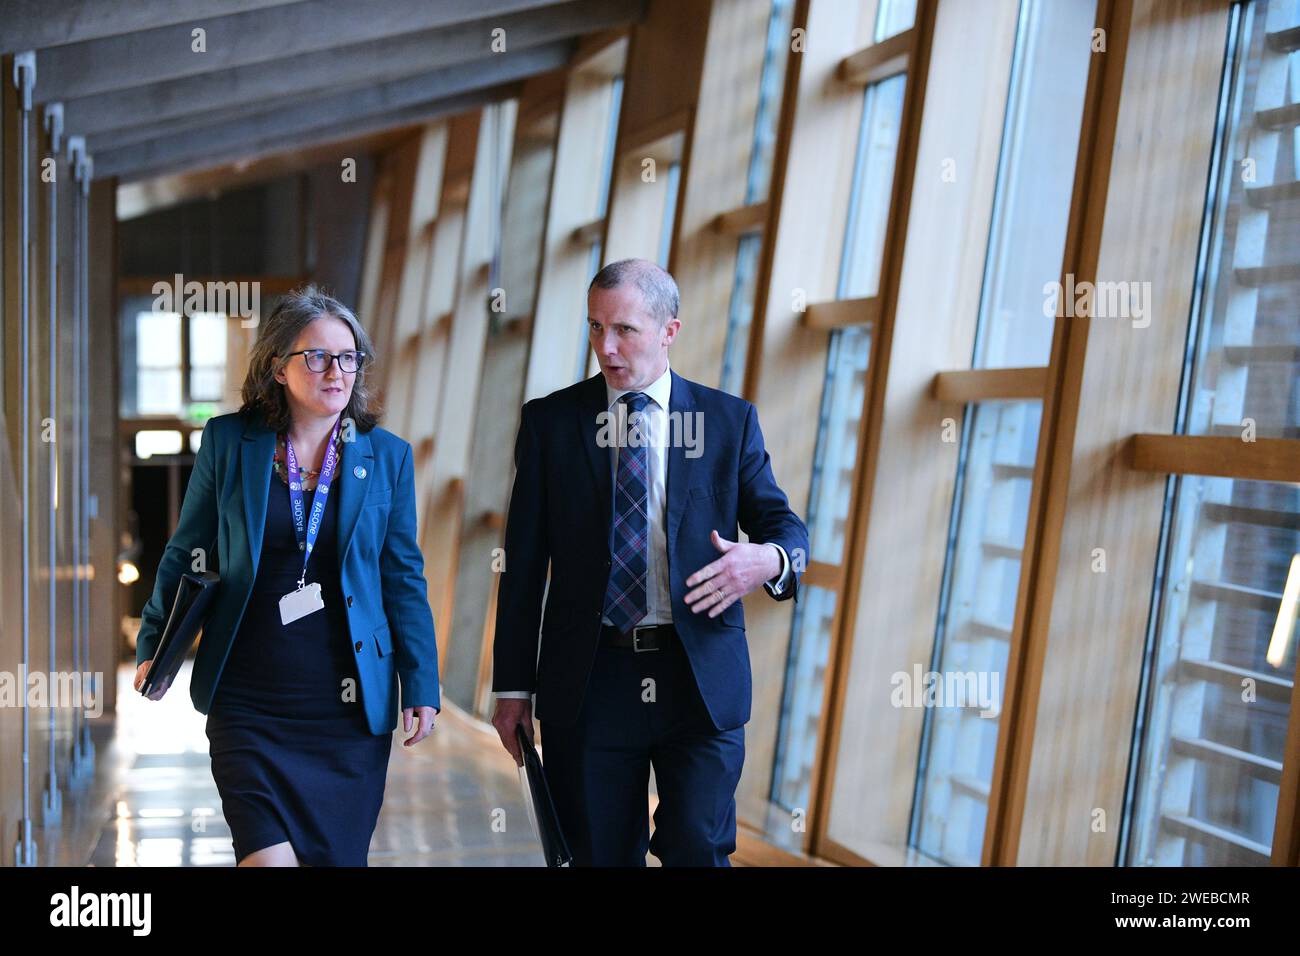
(207, 356)
(1032, 195)
(1221, 656)
(157, 343)
(831, 492)
(873, 178)
(977, 610)
(670, 214)
(744, 285)
(597, 251)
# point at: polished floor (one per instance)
(455, 799)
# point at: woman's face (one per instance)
(318, 394)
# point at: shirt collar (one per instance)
(660, 390)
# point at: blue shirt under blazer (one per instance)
(560, 515)
(380, 563)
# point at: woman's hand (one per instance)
(424, 715)
(141, 672)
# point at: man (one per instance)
(629, 486)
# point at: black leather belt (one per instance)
(647, 637)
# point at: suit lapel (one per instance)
(591, 404)
(356, 472)
(681, 402)
(256, 453)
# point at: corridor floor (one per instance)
(453, 800)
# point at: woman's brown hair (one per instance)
(276, 336)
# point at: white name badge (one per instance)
(300, 603)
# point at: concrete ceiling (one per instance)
(161, 87)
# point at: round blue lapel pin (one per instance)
(359, 471)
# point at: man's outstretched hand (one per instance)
(743, 567)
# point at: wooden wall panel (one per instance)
(559, 317)
(705, 261)
(1091, 660)
(788, 360)
(876, 744)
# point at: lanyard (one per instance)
(307, 537)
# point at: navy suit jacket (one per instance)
(560, 515)
(381, 567)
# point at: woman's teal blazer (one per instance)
(380, 564)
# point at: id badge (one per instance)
(300, 603)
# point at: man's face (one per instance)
(630, 345)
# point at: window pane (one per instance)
(584, 344)
(1215, 716)
(208, 338)
(894, 16)
(801, 700)
(1212, 719)
(1040, 139)
(740, 313)
(976, 613)
(158, 339)
(611, 134)
(207, 384)
(873, 178)
(207, 356)
(771, 83)
(1247, 362)
(158, 391)
(837, 442)
(670, 214)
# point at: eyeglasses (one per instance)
(318, 360)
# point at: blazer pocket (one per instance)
(701, 494)
(379, 497)
(383, 641)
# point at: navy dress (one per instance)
(292, 755)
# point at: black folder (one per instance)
(189, 609)
(554, 847)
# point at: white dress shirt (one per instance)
(654, 429)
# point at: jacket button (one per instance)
(358, 645)
(349, 600)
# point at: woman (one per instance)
(322, 604)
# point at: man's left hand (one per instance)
(742, 568)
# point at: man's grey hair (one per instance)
(658, 290)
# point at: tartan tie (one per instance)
(625, 594)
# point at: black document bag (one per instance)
(538, 795)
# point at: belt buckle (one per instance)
(636, 638)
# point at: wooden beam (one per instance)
(604, 54)
(35, 24)
(1265, 459)
(652, 134)
(340, 109)
(878, 61)
(989, 384)
(144, 112)
(400, 123)
(259, 36)
(141, 198)
(826, 316)
(737, 222)
(589, 232)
